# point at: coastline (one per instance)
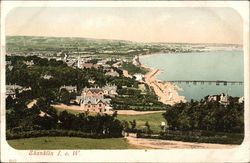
(166, 91)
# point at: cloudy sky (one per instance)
(191, 25)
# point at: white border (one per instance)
(240, 154)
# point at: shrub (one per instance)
(227, 138)
(69, 133)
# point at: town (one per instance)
(89, 88)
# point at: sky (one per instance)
(156, 24)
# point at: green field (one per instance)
(153, 119)
(59, 110)
(70, 143)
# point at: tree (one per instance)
(64, 96)
(9, 102)
(133, 125)
(148, 129)
(66, 119)
(125, 125)
(114, 115)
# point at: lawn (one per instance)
(59, 110)
(71, 143)
(154, 120)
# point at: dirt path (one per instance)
(127, 112)
(133, 112)
(70, 107)
(169, 144)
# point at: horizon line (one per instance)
(239, 44)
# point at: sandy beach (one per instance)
(166, 92)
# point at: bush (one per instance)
(226, 138)
(69, 133)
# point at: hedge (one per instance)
(219, 139)
(40, 133)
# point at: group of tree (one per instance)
(207, 115)
(60, 74)
(41, 116)
(131, 98)
(133, 69)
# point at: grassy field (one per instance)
(153, 119)
(59, 110)
(71, 143)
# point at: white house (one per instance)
(138, 76)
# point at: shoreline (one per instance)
(166, 91)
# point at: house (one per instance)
(10, 67)
(136, 61)
(91, 81)
(110, 90)
(70, 62)
(224, 99)
(69, 88)
(112, 73)
(93, 100)
(92, 92)
(101, 62)
(212, 98)
(29, 63)
(96, 104)
(10, 93)
(241, 100)
(89, 65)
(47, 77)
(138, 76)
(11, 90)
(8, 63)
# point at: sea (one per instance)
(216, 65)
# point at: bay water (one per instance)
(221, 65)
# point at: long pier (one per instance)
(217, 82)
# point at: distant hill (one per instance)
(56, 46)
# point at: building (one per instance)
(224, 99)
(136, 61)
(47, 77)
(10, 67)
(69, 88)
(29, 63)
(89, 65)
(110, 90)
(91, 81)
(11, 93)
(96, 104)
(241, 100)
(93, 99)
(212, 98)
(11, 90)
(138, 76)
(8, 62)
(112, 73)
(102, 62)
(93, 92)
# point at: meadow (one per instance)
(70, 143)
(154, 119)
